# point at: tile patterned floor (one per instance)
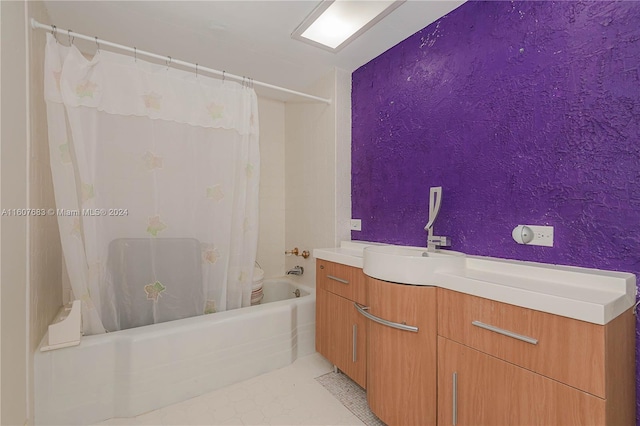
(289, 396)
(350, 395)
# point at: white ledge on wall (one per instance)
(65, 330)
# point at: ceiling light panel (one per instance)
(334, 24)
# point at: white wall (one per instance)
(13, 230)
(0, 224)
(271, 240)
(305, 180)
(343, 155)
(45, 251)
(30, 246)
(318, 170)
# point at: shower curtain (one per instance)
(156, 176)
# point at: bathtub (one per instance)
(130, 372)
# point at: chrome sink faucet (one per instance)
(435, 200)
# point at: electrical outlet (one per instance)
(542, 235)
(356, 225)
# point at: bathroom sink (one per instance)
(410, 265)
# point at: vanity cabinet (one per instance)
(500, 364)
(401, 383)
(341, 332)
(431, 355)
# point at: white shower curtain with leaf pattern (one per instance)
(156, 176)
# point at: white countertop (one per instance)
(349, 253)
(585, 294)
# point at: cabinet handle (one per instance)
(455, 398)
(505, 332)
(362, 310)
(355, 342)
(340, 280)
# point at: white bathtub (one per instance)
(130, 372)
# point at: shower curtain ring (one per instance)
(196, 70)
(70, 37)
(223, 75)
(168, 62)
(97, 44)
(135, 54)
(54, 32)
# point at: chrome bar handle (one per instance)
(355, 343)
(455, 398)
(505, 332)
(340, 280)
(362, 310)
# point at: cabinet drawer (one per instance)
(564, 349)
(343, 280)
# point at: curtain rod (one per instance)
(37, 25)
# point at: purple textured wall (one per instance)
(525, 113)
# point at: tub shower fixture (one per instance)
(435, 200)
(295, 252)
(297, 270)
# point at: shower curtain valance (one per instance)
(139, 88)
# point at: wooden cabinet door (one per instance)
(401, 382)
(341, 335)
(477, 389)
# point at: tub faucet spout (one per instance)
(298, 270)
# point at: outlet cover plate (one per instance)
(356, 225)
(542, 236)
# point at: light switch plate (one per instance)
(356, 225)
(542, 236)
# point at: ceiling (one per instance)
(249, 38)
